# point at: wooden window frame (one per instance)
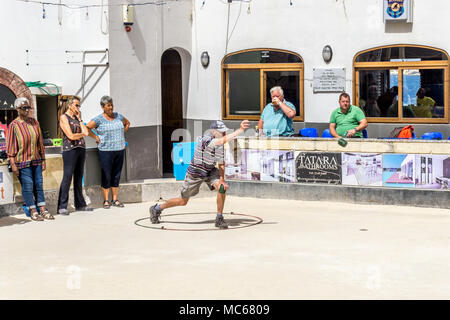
(262, 67)
(400, 66)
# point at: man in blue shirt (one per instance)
(276, 119)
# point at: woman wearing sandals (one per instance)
(26, 155)
(110, 130)
(74, 155)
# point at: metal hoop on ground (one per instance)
(258, 221)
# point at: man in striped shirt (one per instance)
(208, 152)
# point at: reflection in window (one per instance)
(423, 92)
(403, 81)
(378, 90)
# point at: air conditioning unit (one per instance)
(398, 10)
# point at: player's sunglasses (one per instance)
(25, 108)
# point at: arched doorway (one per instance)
(171, 103)
(11, 87)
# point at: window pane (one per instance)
(289, 81)
(244, 92)
(263, 56)
(378, 90)
(401, 53)
(423, 93)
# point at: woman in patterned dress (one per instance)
(26, 155)
(110, 128)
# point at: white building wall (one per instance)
(304, 27)
(136, 57)
(23, 28)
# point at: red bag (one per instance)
(406, 132)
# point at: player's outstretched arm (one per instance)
(244, 126)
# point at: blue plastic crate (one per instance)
(182, 154)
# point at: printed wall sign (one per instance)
(277, 166)
(395, 8)
(357, 169)
(432, 171)
(398, 170)
(260, 165)
(6, 186)
(362, 169)
(243, 164)
(318, 167)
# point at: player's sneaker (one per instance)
(220, 223)
(155, 215)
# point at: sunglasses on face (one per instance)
(25, 108)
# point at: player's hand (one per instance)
(245, 125)
(225, 185)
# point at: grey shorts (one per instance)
(191, 185)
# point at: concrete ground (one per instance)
(302, 250)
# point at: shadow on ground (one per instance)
(9, 221)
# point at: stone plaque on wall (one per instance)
(329, 80)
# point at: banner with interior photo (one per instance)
(362, 169)
(260, 165)
(357, 169)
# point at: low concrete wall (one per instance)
(163, 189)
(339, 193)
(148, 190)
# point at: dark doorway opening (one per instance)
(7, 111)
(172, 105)
(47, 115)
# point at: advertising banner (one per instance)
(277, 166)
(243, 164)
(6, 186)
(318, 167)
(432, 171)
(362, 169)
(398, 170)
(355, 169)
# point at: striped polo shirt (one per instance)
(206, 155)
(24, 143)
